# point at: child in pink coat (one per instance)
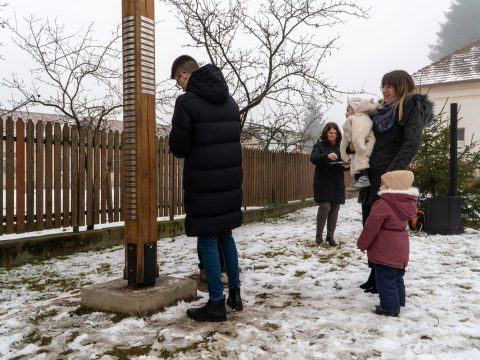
(385, 238)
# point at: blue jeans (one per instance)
(390, 286)
(211, 262)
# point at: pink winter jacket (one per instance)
(384, 235)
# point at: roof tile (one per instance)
(461, 65)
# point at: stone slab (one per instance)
(115, 296)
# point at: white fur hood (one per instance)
(412, 191)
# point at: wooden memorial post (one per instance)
(140, 212)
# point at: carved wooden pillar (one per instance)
(138, 34)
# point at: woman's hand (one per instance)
(332, 156)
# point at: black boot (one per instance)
(372, 290)
(211, 311)
(234, 299)
(381, 311)
(370, 281)
(331, 241)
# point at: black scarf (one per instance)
(383, 118)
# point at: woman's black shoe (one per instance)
(366, 285)
(372, 290)
(234, 299)
(211, 311)
(331, 241)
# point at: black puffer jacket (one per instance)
(206, 132)
(396, 148)
(328, 183)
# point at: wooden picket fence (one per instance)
(55, 176)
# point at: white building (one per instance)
(455, 78)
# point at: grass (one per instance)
(260, 267)
(82, 310)
(270, 254)
(283, 306)
(269, 327)
(165, 354)
(296, 296)
(122, 353)
(44, 315)
(104, 268)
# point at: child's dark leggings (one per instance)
(390, 286)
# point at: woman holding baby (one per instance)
(398, 126)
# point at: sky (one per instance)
(301, 301)
(397, 35)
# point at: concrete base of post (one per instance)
(115, 296)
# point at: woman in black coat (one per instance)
(328, 183)
(398, 126)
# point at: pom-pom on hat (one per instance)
(398, 179)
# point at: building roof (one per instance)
(461, 65)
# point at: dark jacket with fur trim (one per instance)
(384, 235)
(396, 148)
(328, 184)
(206, 132)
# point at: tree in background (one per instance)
(432, 171)
(312, 126)
(2, 23)
(270, 52)
(461, 27)
(74, 75)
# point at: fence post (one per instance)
(172, 189)
(75, 172)
(48, 175)
(9, 176)
(20, 175)
(39, 174)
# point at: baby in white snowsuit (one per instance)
(357, 130)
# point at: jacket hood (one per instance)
(365, 106)
(402, 202)
(419, 106)
(208, 83)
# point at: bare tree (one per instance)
(312, 126)
(270, 52)
(74, 75)
(2, 23)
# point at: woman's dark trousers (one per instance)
(366, 208)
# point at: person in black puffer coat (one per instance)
(328, 181)
(206, 132)
(398, 126)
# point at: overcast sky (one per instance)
(396, 36)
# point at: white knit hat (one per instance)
(354, 102)
(398, 179)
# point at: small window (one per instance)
(461, 134)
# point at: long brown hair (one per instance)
(403, 84)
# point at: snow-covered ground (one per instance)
(302, 301)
